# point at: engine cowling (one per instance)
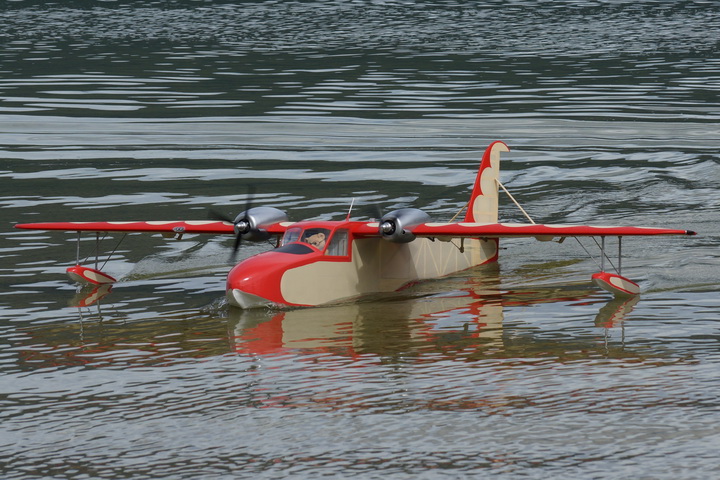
(394, 225)
(249, 223)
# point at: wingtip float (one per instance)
(320, 262)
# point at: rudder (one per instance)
(483, 204)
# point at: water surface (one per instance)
(121, 111)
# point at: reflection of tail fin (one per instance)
(483, 206)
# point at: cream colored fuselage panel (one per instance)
(381, 266)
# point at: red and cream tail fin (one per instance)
(483, 205)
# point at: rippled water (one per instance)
(163, 110)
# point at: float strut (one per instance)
(77, 249)
(97, 249)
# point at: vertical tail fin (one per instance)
(483, 205)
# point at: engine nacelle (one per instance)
(393, 225)
(249, 223)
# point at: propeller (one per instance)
(241, 223)
(396, 226)
(249, 225)
(388, 227)
(370, 210)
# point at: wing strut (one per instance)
(508, 194)
(515, 201)
(614, 283)
(93, 276)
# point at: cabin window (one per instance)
(338, 243)
(291, 235)
(317, 237)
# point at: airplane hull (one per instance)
(374, 266)
(246, 300)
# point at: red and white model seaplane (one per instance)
(321, 262)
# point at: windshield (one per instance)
(295, 249)
(316, 237)
(291, 235)
(334, 243)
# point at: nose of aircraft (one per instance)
(255, 282)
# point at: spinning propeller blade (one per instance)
(370, 210)
(215, 214)
(242, 225)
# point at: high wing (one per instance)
(167, 227)
(462, 229)
(542, 232)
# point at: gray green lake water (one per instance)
(121, 110)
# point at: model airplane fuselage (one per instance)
(320, 262)
(349, 264)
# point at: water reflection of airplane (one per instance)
(467, 318)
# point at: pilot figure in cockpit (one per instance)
(316, 239)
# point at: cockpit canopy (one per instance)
(333, 242)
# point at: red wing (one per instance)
(494, 230)
(364, 229)
(200, 226)
(498, 230)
